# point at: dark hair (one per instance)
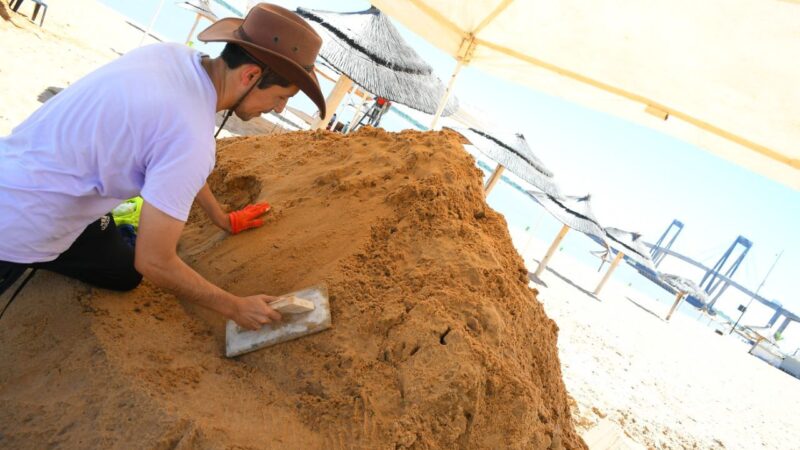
(234, 56)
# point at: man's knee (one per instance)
(128, 282)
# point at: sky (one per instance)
(639, 179)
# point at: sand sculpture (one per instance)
(437, 340)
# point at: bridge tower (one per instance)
(711, 282)
(656, 253)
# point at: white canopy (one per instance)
(721, 74)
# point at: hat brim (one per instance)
(225, 29)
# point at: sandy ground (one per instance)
(437, 340)
(670, 384)
(77, 37)
(662, 385)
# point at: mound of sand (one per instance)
(437, 341)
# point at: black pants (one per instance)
(99, 257)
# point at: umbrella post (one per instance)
(551, 250)
(194, 27)
(608, 273)
(678, 299)
(493, 179)
(447, 93)
(343, 84)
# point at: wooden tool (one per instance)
(292, 305)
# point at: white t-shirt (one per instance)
(142, 124)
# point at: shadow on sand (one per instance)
(645, 309)
(537, 280)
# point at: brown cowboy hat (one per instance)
(280, 39)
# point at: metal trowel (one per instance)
(303, 312)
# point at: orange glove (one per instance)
(247, 218)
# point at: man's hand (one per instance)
(156, 260)
(253, 312)
(248, 217)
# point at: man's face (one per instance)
(262, 101)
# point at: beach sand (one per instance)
(87, 368)
(672, 384)
(437, 340)
(77, 37)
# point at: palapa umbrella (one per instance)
(511, 150)
(685, 287)
(367, 49)
(202, 9)
(629, 244)
(573, 212)
(720, 74)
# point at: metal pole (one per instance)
(194, 27)
(757, 291)
(447, 93)
(533, 230)
(152, 22)
(343, 84)
(357, 115)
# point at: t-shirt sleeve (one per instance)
(175, 172)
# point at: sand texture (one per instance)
(437, 341)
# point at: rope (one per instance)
(19, 288)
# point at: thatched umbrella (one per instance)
(573, 212)
(685, 287)
(628, 244)
(511, 150)
(368, 50)
(202, 9)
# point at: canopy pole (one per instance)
(533, 230)
(447, 93)
(194, 27)
(551, 250)
(610, 270)
(678, 299)
(343, 84)
(152, 22)
(493, 179)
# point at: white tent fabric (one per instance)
(720, 74)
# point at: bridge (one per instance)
(714, 282)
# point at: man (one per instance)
(144, 124)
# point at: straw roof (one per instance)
(512, 151)
(686, 285)
(574, 212)
(199, 7)
(631, 244)
(367, 48)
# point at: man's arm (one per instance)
(157, 260)
(205, 198)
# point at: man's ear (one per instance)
(250, 74)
